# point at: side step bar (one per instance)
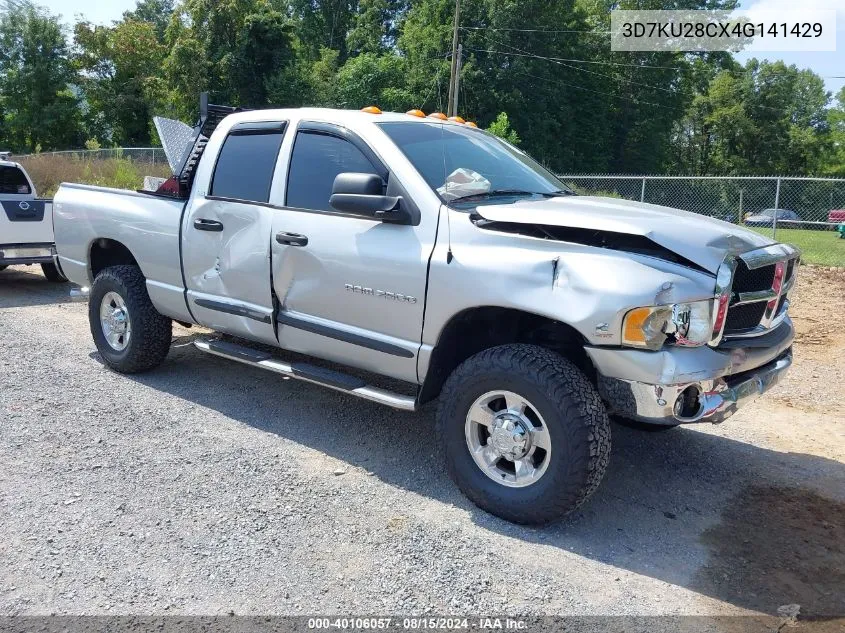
(309, 373)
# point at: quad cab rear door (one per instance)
(226, 232)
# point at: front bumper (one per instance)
(683, 386)
(18, 254)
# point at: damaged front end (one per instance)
(690, 321)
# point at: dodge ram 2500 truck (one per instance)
(26, 223)
(434, 254)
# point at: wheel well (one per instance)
(106, 252)
(474, 330)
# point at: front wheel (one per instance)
(52, 273)
(128, 331)
(525, 434)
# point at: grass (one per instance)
(49, 171)
(823, 248)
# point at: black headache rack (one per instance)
(185, 146)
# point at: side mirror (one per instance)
(363, 194)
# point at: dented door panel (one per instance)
(227, 271)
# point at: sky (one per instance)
(826, 64)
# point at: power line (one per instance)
(592, 72)
(514, 30)
(579, 61)
(598, 92)
(493, 28)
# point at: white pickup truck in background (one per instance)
(26, 223)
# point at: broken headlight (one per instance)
(687, 324)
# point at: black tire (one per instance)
(151, 333)
(52, 273)
(572, 410)
(3, 267)
(644, 426)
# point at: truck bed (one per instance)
(145, 223)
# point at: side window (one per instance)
(13, 180)
(316, 160)
(244, 169)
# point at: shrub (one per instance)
(48, 171)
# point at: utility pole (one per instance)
(457, 80)
(455, 56)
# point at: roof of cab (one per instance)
(331, 115)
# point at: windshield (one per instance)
(465, 163)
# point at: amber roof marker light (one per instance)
(456, 119)
(438, 115)
(371, 110)
(472, 124)
(418, 113)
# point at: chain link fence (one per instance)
(151, 155)
(123, 168)
(806, 212)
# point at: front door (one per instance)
(350, 289)
(226, 236)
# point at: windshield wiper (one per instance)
(499, 192)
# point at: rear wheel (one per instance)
(52, 273)
(128, 331)
(525, 434)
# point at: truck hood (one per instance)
(700, 239)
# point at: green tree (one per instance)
(156, 12)
(371, 79)
(232, 48)
(120, 65)
(835, 160)
(764, 118)
(501, 127)
(40, 109)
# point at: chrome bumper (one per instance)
(703, 401)
(80, 294)
(27, 254)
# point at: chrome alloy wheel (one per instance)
(508, 439)
(115, 322)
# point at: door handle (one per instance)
(291, 239)
(208, 225)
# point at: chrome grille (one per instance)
(744, 317)
(757, 295)
(748, 280)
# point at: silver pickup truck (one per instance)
(26, 223)
(434, 254)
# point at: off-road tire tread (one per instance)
(577, 400)
(152, 332)
(53, 274)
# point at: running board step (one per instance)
(309, 373)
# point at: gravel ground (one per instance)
(205, 487)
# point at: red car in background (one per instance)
(836, 216)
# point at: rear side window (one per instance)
(245, 166)
(316, 160)
(13, 180)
